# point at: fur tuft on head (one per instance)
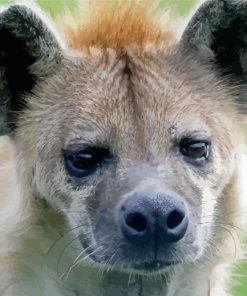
(108, 24)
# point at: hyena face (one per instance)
(132, 158)
(133, 145)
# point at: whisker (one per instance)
(63, 251)
(74, 264)
(62, 237)
(223, 226)
(79, 260)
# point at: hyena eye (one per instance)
(195, 150)
(83, 162)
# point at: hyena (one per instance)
(128, 150)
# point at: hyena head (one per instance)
(131, 135)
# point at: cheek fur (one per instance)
(208, 205)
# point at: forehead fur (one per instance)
(115, 24)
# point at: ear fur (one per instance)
(29, 52)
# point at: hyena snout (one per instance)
(148, 217)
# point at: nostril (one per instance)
(136, 221)
(174, 219)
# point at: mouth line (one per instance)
(147, 267)
(144, 268)
(154, 266)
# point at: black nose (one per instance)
(145, 217)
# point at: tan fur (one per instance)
(6, 170)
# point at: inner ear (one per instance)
(229, 49)
(16, 61)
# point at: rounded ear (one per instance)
(218, 31)
(29, 52)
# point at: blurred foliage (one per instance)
(56, 6)
(181, 6)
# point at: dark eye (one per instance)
(81, 163)
(195, 150)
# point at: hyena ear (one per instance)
(29, 52)
(218, 31)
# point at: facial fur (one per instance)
(141, 118)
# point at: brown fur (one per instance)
(114, 24)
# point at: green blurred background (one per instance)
(181, 7)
